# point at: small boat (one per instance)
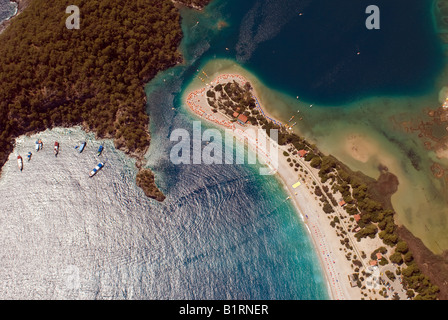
(96, 169)
(37, 145)
(81, 148)
(20, 163)
(56, 148)
(100, 150)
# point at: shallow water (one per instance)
(420, 201)
(367, 95)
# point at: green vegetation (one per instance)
(363, 196)
(390, 275)
(418, 282)
(233, 98)
(93, 76)
(381, 250)
(327, 207)
(145, 180)
(383, 261)
(396, 258)
(318, 191)
(316, 162)
(370, 230)
(402, 247)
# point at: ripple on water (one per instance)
(221, 233)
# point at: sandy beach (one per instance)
(327, 242)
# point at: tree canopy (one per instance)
(93, 76)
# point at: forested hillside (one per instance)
(94, 76)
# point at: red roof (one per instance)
(357, 217)
(342, 203)
(379, 255)
(373, 262)
(242, 118)
(302, 153)
(235, 114)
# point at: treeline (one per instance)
(145, 180)
(358, 192)
(362, 197)
(94, 76)
(231, 97)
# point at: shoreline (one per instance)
(21, 5)
(333, 263)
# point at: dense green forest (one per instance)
(94, 76)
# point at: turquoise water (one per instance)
(224, 232)
(252, 235)
(398, 74)
(242, 239)
(314, 56)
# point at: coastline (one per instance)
(132, 139)
(336, 268)
(21, 5)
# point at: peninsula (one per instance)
(348, 215)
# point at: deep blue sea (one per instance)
(314, 55)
